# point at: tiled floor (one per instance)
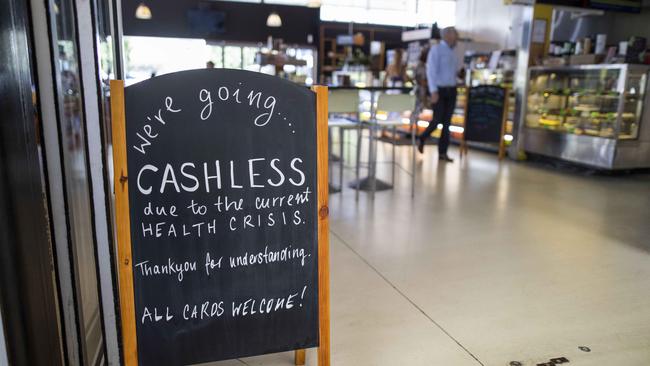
(490, 263)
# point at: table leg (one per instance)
(414, 131)
(329, 152)
(370, 183)
(341, 150)
(372, 148)
(358, 160)
(392, 178)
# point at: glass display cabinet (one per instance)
(590, 114)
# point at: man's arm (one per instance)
(432, 67)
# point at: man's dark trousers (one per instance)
(442, 112)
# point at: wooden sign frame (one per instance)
(123, 222)
(504, 120)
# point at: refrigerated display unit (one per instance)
(592, 115)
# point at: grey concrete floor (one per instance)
(489, 263)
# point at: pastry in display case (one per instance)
(587, 113)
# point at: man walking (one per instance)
(442, 66)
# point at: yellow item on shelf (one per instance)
(549, 122)
(458, 120)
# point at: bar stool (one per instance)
(343, 109)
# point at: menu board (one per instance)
(485, 109)
(222, 196)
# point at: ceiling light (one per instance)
(274, 20)
(143, 12)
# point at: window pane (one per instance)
(150, 56)
(233, 57)
(215, 54)
(249, 59)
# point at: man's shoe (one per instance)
(445, 158)
(421, 146)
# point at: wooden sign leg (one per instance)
(299, 357)
(461, 146)
(463, 141)
(502, 149)
(323, 229)
(504, 120)
(123, 223)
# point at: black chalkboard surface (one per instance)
(223, 210)
(485, 108)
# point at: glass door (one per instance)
(76, 180)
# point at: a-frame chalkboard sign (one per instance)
(486, 114)
(222, 218)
